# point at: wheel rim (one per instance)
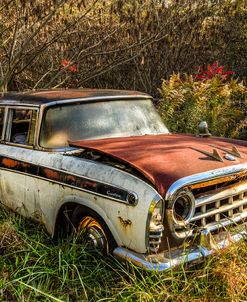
(93, 234)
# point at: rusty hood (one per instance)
(163, 159)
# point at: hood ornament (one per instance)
(234, 151)
(215, 154)
(203, 129)
(229, 157)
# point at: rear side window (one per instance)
(1, 121)
(21, 128)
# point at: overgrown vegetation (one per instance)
(116, 44)
(132, 45)
(33, 267)
(128, 45)
(209, 96)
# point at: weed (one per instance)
(33, 267)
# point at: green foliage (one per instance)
(186, 101)
(116, 44)
(33, 267)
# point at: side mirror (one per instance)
(203, 129)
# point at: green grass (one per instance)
(34, 267)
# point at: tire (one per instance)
(92, 230)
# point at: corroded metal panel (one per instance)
(164, 159)
(52, 179)
(47, 96)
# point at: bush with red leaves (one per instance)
(211, 71)
(66, 63)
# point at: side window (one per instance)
(1, 121)
(22, 128)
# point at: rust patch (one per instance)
(165, 158)
(84, 94)
(64, 178)
(71, 179)
(212, 182)
(87, 184)
(125, 222)
(13, 164)
(9, 163)
(51, 174)
(218, 181)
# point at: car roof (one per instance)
(59, 95)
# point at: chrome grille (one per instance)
(215, 207)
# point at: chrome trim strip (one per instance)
(17, 103)
(67, 185)
(17, 145)
(152, 205)
(215, 154)
(234, 151)
(201, 177)
(184, 257)
(72, 186)
(8, 102)
(96, 99)
(4, 122)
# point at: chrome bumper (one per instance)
(164, 261)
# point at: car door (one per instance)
(18, 132)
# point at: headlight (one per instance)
(183, 207)
(155, 224)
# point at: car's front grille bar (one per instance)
(155, 239)
(214, 207)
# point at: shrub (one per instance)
(212, 71)
(116, 44)
(186, 101)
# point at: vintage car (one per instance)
(103, 163)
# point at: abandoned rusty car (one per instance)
(104, 162)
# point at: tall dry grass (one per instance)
(33, 267)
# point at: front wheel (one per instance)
(91, 232)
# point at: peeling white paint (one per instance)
(40, 199)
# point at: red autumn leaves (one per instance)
(202, 74)
(211, 71)
(67, 64)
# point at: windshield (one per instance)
(99, 120)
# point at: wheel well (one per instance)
(63, 225)
(67, 217)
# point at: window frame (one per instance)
(8, 125)
(4, 122)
